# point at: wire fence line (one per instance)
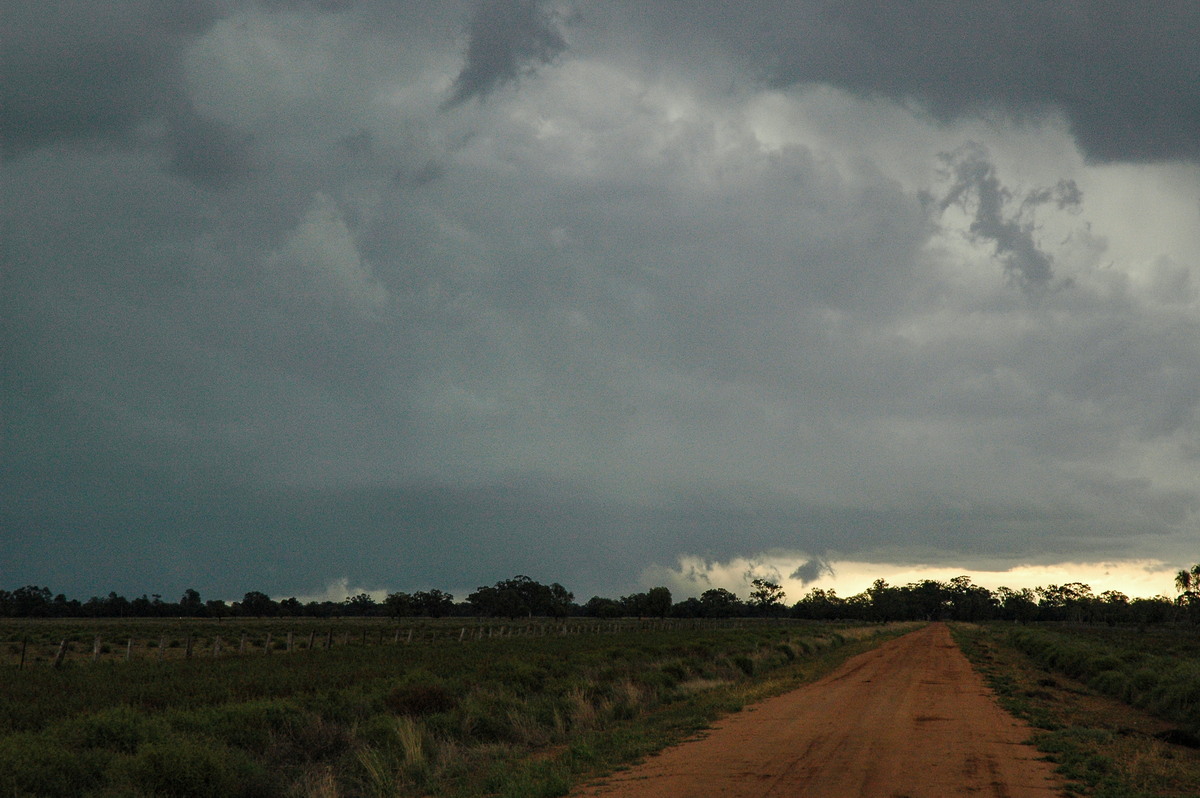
(54, 644)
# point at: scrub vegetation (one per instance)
(1115, 708)
(510, 716)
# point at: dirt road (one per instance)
(909, 719)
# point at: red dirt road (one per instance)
(909, 719)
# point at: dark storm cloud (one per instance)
(507, 38)
(689, 313)
(82, 70)
(811, 570)
(1123, 74)
(975, 187)
(208, 152)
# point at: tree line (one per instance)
(520, 597)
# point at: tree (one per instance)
(690, 607)
(819, 605)
(970, 602)
(1017, 605)
(257, 604)
(559, 601)
(1187, 583)
(599, 607)
(361, 604)
(399, 605)
(30, 601)
(720, 603)
(658, 602)
(766, 596)
(519, 596)
(433, 603)
(190, 603)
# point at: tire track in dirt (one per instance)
(909, 719)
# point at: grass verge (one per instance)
(511, 716)
(1102, 747)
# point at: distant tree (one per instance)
(1017, 605)
(433, 603)
(190, 604)
(291, 607)
(819, 605)
(970, 602)
(766, 597)
(600, 607)
(720, 603)
(116, 606)
(257, 604)
(927, 600)
(399, 605)
(141, 607)
(658, 602)
(216, 608)
(1187, 584)
(521, 596)
(635, 605)
(559, 601)
(30, 601)
(360, 605)
(690, 607)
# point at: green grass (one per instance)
(508, 715)
(1055, 679)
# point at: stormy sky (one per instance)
(327, 295)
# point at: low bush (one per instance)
(193, 768)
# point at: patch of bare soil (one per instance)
(909, 719)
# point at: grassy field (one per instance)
(1115, 708)
(34, 642)
(453, 711)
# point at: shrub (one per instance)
(120, 730)
(34, 765)
(190, 768)
(420, 699)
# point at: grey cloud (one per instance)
(507, 38)
(79, 70)
(811, 570)
(1123, 74)
(208, 152)
(683, 340)
(973, 185)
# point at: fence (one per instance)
(49, 643)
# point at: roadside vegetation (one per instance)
(1115, 708)
(506, 716)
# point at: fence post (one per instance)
(162, 646)
(462, 634)
(62, 652)
(188, 648)
(24, 645)
(129, 650)
(242, 644)
(329, 639)
(216, 645)
(289, 643)
(312, 638)
(96, 648)
(267, 647)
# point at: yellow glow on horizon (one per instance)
(693, 575)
